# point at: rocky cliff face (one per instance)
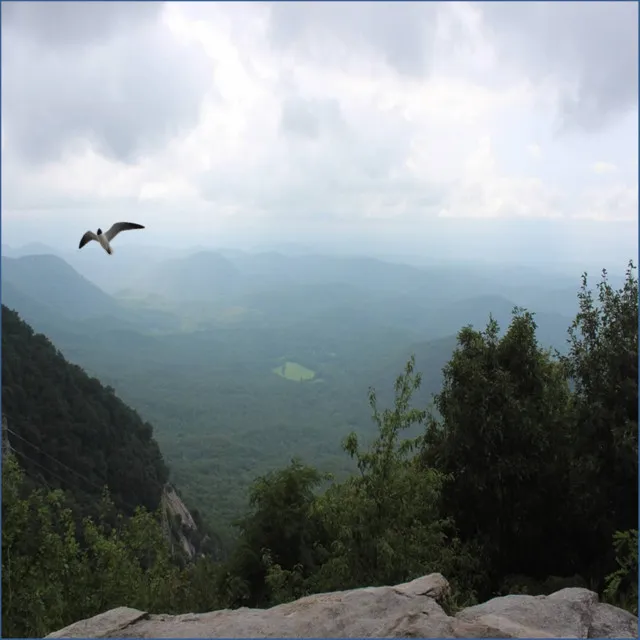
(173, 507)
(410, 610)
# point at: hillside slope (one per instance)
(69, 430)
(52, 281)
(45, 288)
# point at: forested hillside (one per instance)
(523, 479)
(68, 429)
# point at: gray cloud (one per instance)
(401, 31)
(308, 118)
(590, 49)
(107, 72)
(69, 24)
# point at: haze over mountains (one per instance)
(242, 359)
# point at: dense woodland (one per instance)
(520, 476)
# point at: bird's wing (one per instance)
(121, 226)
(87, 237)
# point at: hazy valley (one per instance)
(242, 361)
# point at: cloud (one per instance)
(534, 150)
(586, 51)
(108, 75)
(398, 35)
(317, 115)
(604, 167)
(617, 202)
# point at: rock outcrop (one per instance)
(172, 506)
(409, 610)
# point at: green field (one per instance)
(294, 371)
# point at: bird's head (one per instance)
(99, 232)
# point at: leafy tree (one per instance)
(51, 576)
(384, 523)
(43, 576)
(622, 584)
(279, 530)
(603, 365)
(503, 439)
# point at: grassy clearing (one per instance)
(294, 371)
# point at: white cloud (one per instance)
(534, 150)
(604, 167)
(613, 203)
(340, 113)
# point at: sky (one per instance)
(495, 131)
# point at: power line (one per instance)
(163, 504)
(62, 464)
(22, 454)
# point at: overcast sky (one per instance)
(492, 130)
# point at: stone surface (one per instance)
(409, 610)
(104, 625)
(568, 613)
(611, 622)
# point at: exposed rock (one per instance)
(611, 622)
(408, 610)
(567, 613)
(104, 625)
(172, 505)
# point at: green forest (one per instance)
(211, 350)
(520, 475)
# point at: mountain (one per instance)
(71, 431)
(31, 248)
(54, 297)
(202, 275)
(48, 279)
(128, 263)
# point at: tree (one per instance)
(51, 576)
(384, 523)
(279, 534)
(503, 438)
(43, 569)
(603, 365)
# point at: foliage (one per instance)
(379, 527)
(43, 577)
(384, 523)
(52, 577)
(70, 431)
(603, 366)
(503, 439)
(622, 584)
(276, 537)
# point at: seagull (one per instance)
(103, 239)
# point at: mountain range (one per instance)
(211, 346)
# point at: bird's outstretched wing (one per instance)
(121, 226)
(87, 237)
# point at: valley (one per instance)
(242, 361)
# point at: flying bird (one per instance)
(103, 239)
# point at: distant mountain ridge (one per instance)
(51, 280)
(46, 289)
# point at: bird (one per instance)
(104, 239)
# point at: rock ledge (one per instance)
(408, 610)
